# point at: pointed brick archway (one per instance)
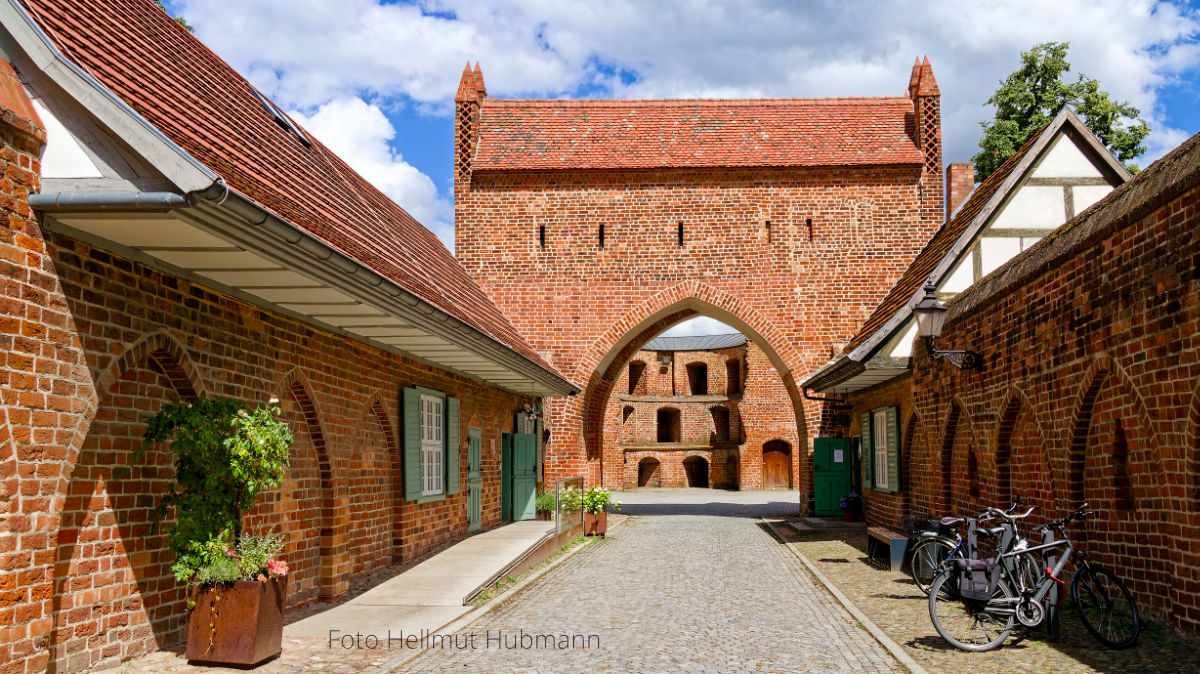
(579, 447)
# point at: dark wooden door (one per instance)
(777, 470)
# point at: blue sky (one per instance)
(375, 80)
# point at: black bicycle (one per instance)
(933, 542)
(976, 603)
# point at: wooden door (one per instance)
(524, 474)
(831, 475)
(506, 476)
(777, 469)
(474, 478)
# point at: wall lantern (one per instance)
(931, 315)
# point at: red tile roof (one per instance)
(207, 108)
(645, 134)
(937, 248)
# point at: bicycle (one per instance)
(932, 548)
(974, 606)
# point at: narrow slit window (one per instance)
(768, 231)
(541, 236)
(601, 235)
(680, 234)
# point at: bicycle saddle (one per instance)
(952, 521)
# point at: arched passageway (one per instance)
(696, 470)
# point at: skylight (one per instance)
(281, 119)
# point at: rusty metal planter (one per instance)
(595, 524)
(238, 624)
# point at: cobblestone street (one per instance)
(687, 584)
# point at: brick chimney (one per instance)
(960, 181)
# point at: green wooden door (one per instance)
(831, 475)
(524, 475)
(474, 478)
(506, 476)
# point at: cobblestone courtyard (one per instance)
(689, 584)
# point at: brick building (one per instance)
(169, 233)
(595, 225)
(1089, 389)
(1060, 172)
(704, 411)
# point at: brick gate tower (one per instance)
(597, 224)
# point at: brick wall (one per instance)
(93, 345)
(883, 508)
(588, 309)
(1091, 387)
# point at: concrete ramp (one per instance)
(432, 593)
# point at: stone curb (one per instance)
(884, 640)
(396, 664)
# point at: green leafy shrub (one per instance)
(226, 452)
(597, 500)
(544, 502)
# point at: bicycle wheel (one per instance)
(927, 557)
(967, 624)
(1105, 606)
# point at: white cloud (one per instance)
(359, 133)
(698, 326)
(308, 52)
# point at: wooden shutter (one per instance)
(453, 442)
(893, 449)
(868, 453)
(410, 405)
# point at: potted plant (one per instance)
(595, 503)
(544, 504)
(851, 506)
(226, 452)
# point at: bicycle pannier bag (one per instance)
(977, 578)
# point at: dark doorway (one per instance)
(696, 469)
(636, 370)
(648, 473)
(668, 424)
(720, 417)
(733, 375)
(697, 374)
(777, 465)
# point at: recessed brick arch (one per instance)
(106, 515)
(373, 479)
(1022, 467)
(946, 457)
(378, 410)
(1193, 449)
(322, 507)
(602, 362)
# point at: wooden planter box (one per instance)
(239, 624)
(595, 524)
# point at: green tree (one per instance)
(1033, 94)
(178, 19)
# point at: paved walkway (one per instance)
(430, 594)
(895, 604)
(693, 584)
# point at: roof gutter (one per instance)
(835, 372)
(267, 230)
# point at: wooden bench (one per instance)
(897, 544)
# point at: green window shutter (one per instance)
(868, 454)
(453, 442)
(893, 449)
(411, 448)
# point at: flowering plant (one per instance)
(226, 452)
(597, 500)
(851, 501)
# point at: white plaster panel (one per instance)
(1086, 195)
(1033, 206)
(1065, 160)
(961, 278)
(904, 346)
(153, 231)
(997, 251)
(63, 156)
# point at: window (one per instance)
(601, 235)
(680, 235)
(881, 449)
(541, 236)
(668, 425)
(879, 441)
(733, 373)
(431, 445)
